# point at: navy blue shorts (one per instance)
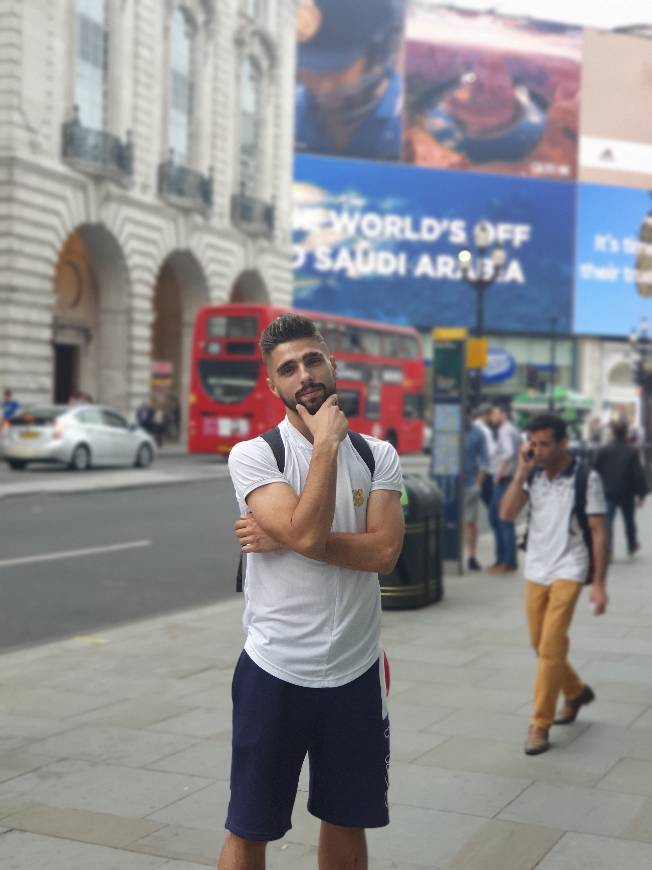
(276, 723)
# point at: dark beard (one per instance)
(312, 405)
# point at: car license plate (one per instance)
(29, 434)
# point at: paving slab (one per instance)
(508, 759)
(112, 745)
(20, 850)
(629, 776)
(501, 845)
(103, 829)
(584, 852)
(477, 794)
(570, 808)
(102, 788)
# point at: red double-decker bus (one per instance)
(380, 377)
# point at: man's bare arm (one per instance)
(303, 523)
(514, 499)
(598, 593)
(377, 549)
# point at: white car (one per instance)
(79, 436)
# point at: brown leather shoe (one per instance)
(498, 568)
(537, 740)
(570, 709)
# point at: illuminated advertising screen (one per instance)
(349, 89)
(616, 121)
(490, 93)
(380, 241)
(613, 282)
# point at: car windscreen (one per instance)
(36, 417)
(229, 381)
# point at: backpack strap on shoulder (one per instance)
(582, 471)
(275, 441)
(364, 451)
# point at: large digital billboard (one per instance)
(616, 121)
(613, 284)
(490, 93)
(380, 241)
(349, 93)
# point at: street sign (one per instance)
(449, 397)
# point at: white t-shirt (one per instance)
(307, 622)
(555, 543)
(490, 440)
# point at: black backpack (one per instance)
(275, 441)
(581, 473)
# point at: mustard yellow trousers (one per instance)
(549, 612)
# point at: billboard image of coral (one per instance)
(614, 260)
(491, 94)
(380, 241)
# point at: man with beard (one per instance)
(310, 679)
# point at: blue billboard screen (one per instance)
(614, 260)
(380, 241)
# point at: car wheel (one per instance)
(81, 458)
(144, 457)
(17, 464)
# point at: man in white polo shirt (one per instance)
(557, 564)
(310, 679)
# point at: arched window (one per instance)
(182, 37)
(91, 68)
(250, 110)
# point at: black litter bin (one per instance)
(417, 578)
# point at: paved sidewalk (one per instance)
(114, 748)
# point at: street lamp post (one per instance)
(553, 362)
(641, 345)
(480, 273)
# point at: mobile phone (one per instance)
(529, 455)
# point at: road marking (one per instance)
(75, 554)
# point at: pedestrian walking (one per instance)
(483, 420)
(10, 406)
(508, 444)
(476, 461)
(321, 516)
(625, 486)
(566, 541)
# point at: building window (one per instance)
(250, 107)
(251, 9)
(182, 37)
(91, 70)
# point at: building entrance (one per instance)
(66, 372)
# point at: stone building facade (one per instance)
(145, 170)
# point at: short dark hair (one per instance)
(549, 421)
(288, 327)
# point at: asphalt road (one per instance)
(74, 563)
(151, 550)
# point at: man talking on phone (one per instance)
(566, 546)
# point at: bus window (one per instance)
(349, 339)
(413, 406)
(232, 326)
(391, 345)
(409, 347)
(371, 342)
(349, 402)
(228, 381)
(372, 405)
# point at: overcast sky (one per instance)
(602, 14)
